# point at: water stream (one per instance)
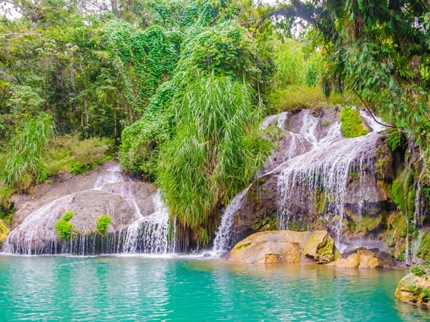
(151, 234)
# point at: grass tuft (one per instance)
(63, 227)
(102, 224)
(352, 124)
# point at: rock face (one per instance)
(414, 289)
(106, 190)
(285, 246)
(316, 179)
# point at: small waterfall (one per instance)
(373, 121)
(113, 175)
(150, 234)
(222, 242)
(278, 120)
(29, 232)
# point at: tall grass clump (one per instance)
(26, 148)
(290, 63)
(216, 150)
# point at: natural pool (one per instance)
(184, 289)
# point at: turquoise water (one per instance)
(156, 289)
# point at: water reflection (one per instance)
(137, 289)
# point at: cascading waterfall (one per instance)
(43, 218)
(113, 175)
(321, 175)
(222, 242)
(151, 234)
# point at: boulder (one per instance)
(414, 290)
(106, 190)
(284, 246)
(362, 258)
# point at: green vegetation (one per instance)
(396, 139)
(418, 271)
(26, 148)
(243, 246)
(102, 224)
(63, 227)
(424, 249)
(352, 124)
(178, 88)
(209, 160)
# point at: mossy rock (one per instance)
(4, 232)
(414, 289)
(424, 249)
(321, 247)
(352, 124)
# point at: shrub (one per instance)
(297, 97)
(26, 148)
(70, 154)
(352, 124)
(216, 151)
(63, 227)
(290, 63)
(418, 271)
(102, 224)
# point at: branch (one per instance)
(371, 113)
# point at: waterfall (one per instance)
(150, 234)
(113, 175)
(44, 219)
(222, 242)
(321, 175)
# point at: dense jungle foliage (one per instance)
(176, 89)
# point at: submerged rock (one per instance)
(285, 246)
(414, 290)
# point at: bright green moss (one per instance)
(102, 224)
(63, 227)
(352, 124)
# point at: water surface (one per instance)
(175, 289)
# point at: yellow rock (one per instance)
(362, 258)
(321, 247)
(414, 290)
(284, 246)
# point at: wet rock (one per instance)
(320, 246)
(414, 290)
(106, 190)
(304, 188)
(284, 246)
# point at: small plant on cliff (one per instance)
(102, 224)
(352, 124)
(396, 139)
(418, 271)
(63, 227)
